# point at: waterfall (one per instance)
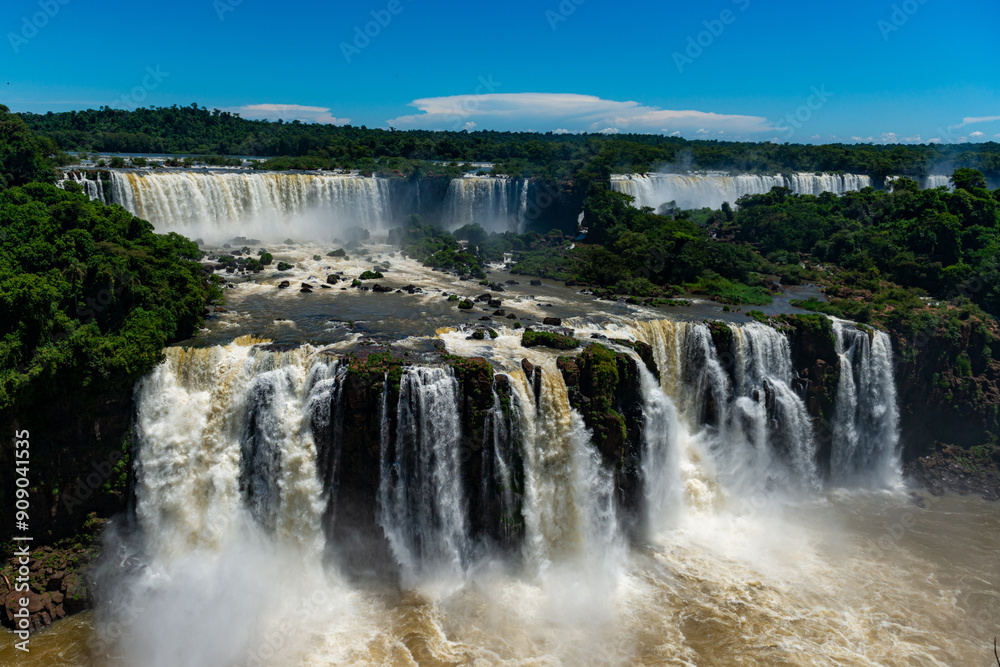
(569, 505)
(693, 191)
(866, 418)
(93, 188)
(498, 204)
(500, 477)
(936, 181)
(221, 205)
(661, 456)
(737, 387)
(421, 504)
(222, 433)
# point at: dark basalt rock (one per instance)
(332, 279)
(536, 283)
(603, 385)
(552, 321)
(284, 283)
(493, 303)
(381, 289)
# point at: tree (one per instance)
(967, 179)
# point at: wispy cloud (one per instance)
(288, 112)
(570, 112)
(972, 120)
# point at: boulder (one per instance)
(283, 284)
(536, 283)
(553, 321)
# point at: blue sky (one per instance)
(850, 70)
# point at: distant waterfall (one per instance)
(866, 421)
(221, 205)
(692, 191)
(936, 181)
(498, 204)
(93, 188)
(421, 504)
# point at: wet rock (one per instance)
(486, 296)
(381, 289)
(553, 321)
(511, 316)
(536, 283)
(493, 303)
(306, 287)
(219, 309)
(332, 279)
(499, 312)
(511, 282)
(284, 283)
(484, 318)
(496, 287)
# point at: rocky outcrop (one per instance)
(56, 580)
(603, 386)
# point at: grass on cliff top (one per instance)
(548, 339)
(724, 290)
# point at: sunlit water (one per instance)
(852, 578)
(730, 572)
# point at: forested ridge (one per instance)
(90, 294)
(198, 130)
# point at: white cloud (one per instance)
(288, 112)
(608, 130)
(561, 130)
(469, 125)
(515, 111)
(863, 140)
(914, 139)
(888, 138)
(996, 136)
(977, 134)
(969, 120)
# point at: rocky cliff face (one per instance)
(78, 463)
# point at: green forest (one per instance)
(197, 130)
(89, 294)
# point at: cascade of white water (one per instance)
(498, 204)
(661, 453)
(691, 191)
(866, 417)
(502, 437)
(421, 502)
(220, 205)
(936, 181)
(569, 496)
(223, 429)
(93, 188)
(763, 372)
